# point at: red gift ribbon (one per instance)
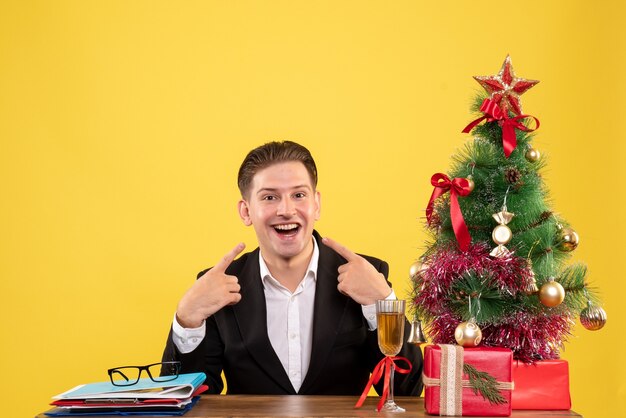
(493, 113)
(385, 366)
(457, 187)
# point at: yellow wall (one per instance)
(122, 125)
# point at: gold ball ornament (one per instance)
(501, 234)
(551, 293)
(568, 239)
(593, 317)
(470, 183)
(417, 268)
(532, 155)
(468, 334)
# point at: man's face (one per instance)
(282, 206)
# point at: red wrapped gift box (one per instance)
(449, 393)
(543, 385)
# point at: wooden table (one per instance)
(212, 406)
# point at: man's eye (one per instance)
(300, 195)
(269, 197)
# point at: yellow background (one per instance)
(123, 123)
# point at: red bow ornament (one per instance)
(457, 187)
(493, 113)
(383, 366)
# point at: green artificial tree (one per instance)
(497, 267)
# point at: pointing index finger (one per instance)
(342, 250)
(223, 264)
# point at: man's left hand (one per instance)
(358, 278)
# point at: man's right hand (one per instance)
(210, 293)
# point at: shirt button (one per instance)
(371, 317)
(292, 336)
(194, 340)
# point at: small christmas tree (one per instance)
(497, 266)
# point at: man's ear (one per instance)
(318, 204)
(244, 212)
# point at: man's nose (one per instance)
(286, 208)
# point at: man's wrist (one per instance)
(189, 323)
(388, 295)
(369, 311)
(187, 339)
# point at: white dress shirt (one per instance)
(289, 320)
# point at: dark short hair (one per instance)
(274, 153)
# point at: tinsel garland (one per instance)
(531, 337)
(532, 334)
(448, 264)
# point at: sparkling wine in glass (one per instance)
(390, 318)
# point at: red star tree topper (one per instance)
(505, 88)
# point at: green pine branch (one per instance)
(485, 384)
(577, 293)
(488, 303)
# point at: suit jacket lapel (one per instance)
(251, 317)
(328, 313)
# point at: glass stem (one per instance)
(391, 379)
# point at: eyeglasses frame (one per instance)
(166, 378)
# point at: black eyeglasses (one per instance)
(157, 372)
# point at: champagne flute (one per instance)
(390, 318)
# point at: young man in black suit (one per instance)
(296, 315)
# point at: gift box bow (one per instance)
(451, 382)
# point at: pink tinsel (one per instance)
(531, 335)
(511, 274)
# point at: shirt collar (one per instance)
(311, 269)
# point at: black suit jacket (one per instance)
(343, 353)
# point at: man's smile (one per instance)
(286, 230)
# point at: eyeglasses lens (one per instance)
(125, 376)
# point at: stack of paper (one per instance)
(174, 397)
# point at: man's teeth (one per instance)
(287, 227)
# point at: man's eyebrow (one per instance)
(274, 189)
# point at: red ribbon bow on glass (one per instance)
(385, 366)
(457, 187)
(493, 113)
